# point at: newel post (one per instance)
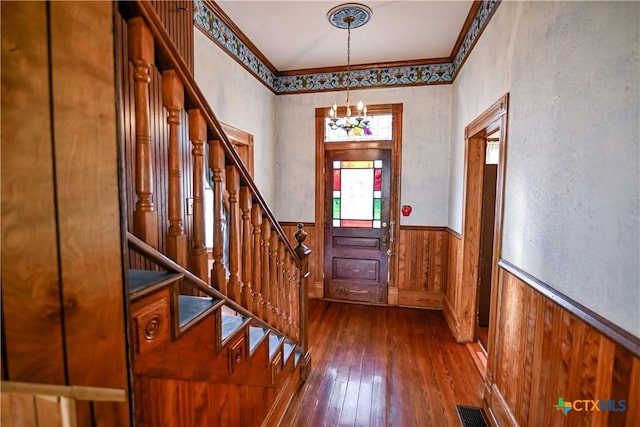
(303, 253)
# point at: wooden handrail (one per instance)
(96, 394)
(167, 57)
(152, 254)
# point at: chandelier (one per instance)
(349, 15)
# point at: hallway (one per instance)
(383, 366)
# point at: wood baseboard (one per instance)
(316, 290)
(421, 299)
(392, 296)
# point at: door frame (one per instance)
(495, 117)
(395, 145)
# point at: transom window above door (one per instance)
(379, 128)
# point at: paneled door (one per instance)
(358, 186)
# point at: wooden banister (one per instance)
(167, 57)
(168, 264)
(264, 277)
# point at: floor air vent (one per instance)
(471, 416)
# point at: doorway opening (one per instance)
(485, 162)
(357, 206)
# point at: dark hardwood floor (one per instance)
(383, 366)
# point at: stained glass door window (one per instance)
(357, 193)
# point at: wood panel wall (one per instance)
(542, 351)
(159, 131)
(177, 17)
(450, 301)
(62, 290)
(422, 266)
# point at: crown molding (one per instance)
(209, 18)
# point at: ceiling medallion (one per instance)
(348, 16)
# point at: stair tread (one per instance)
(140, 279)
(256, 334)
(230, 324)
(296, 359)
(274, 342)
(191, 306)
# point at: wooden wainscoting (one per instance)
(422, 266)
(454, 266)
(547, 347)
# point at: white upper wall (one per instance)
(571, 214)
(240, 100)
(425, 150)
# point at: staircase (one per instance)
(217, 338)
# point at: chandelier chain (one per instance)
(348, 61)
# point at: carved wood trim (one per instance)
(600, 323)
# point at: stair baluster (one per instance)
(141, 54)
(247, 254)
(274, 279)
(216, 163)
(198, 136)
(173, 101)
(267, 307)
(256, 221)
(233, 187)
(282, 284)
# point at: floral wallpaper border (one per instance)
(205, 19)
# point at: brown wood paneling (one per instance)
(88, 201)
(177, 17)
(422, 260)
(454, 247)
(31, 312)
(543, 352)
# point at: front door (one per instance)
(358, 186)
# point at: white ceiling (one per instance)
(295, 35)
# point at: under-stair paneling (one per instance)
(177, 17)
(543, 351)
(197, 403)
(159, 131)
(422, 266)
(316, 286)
